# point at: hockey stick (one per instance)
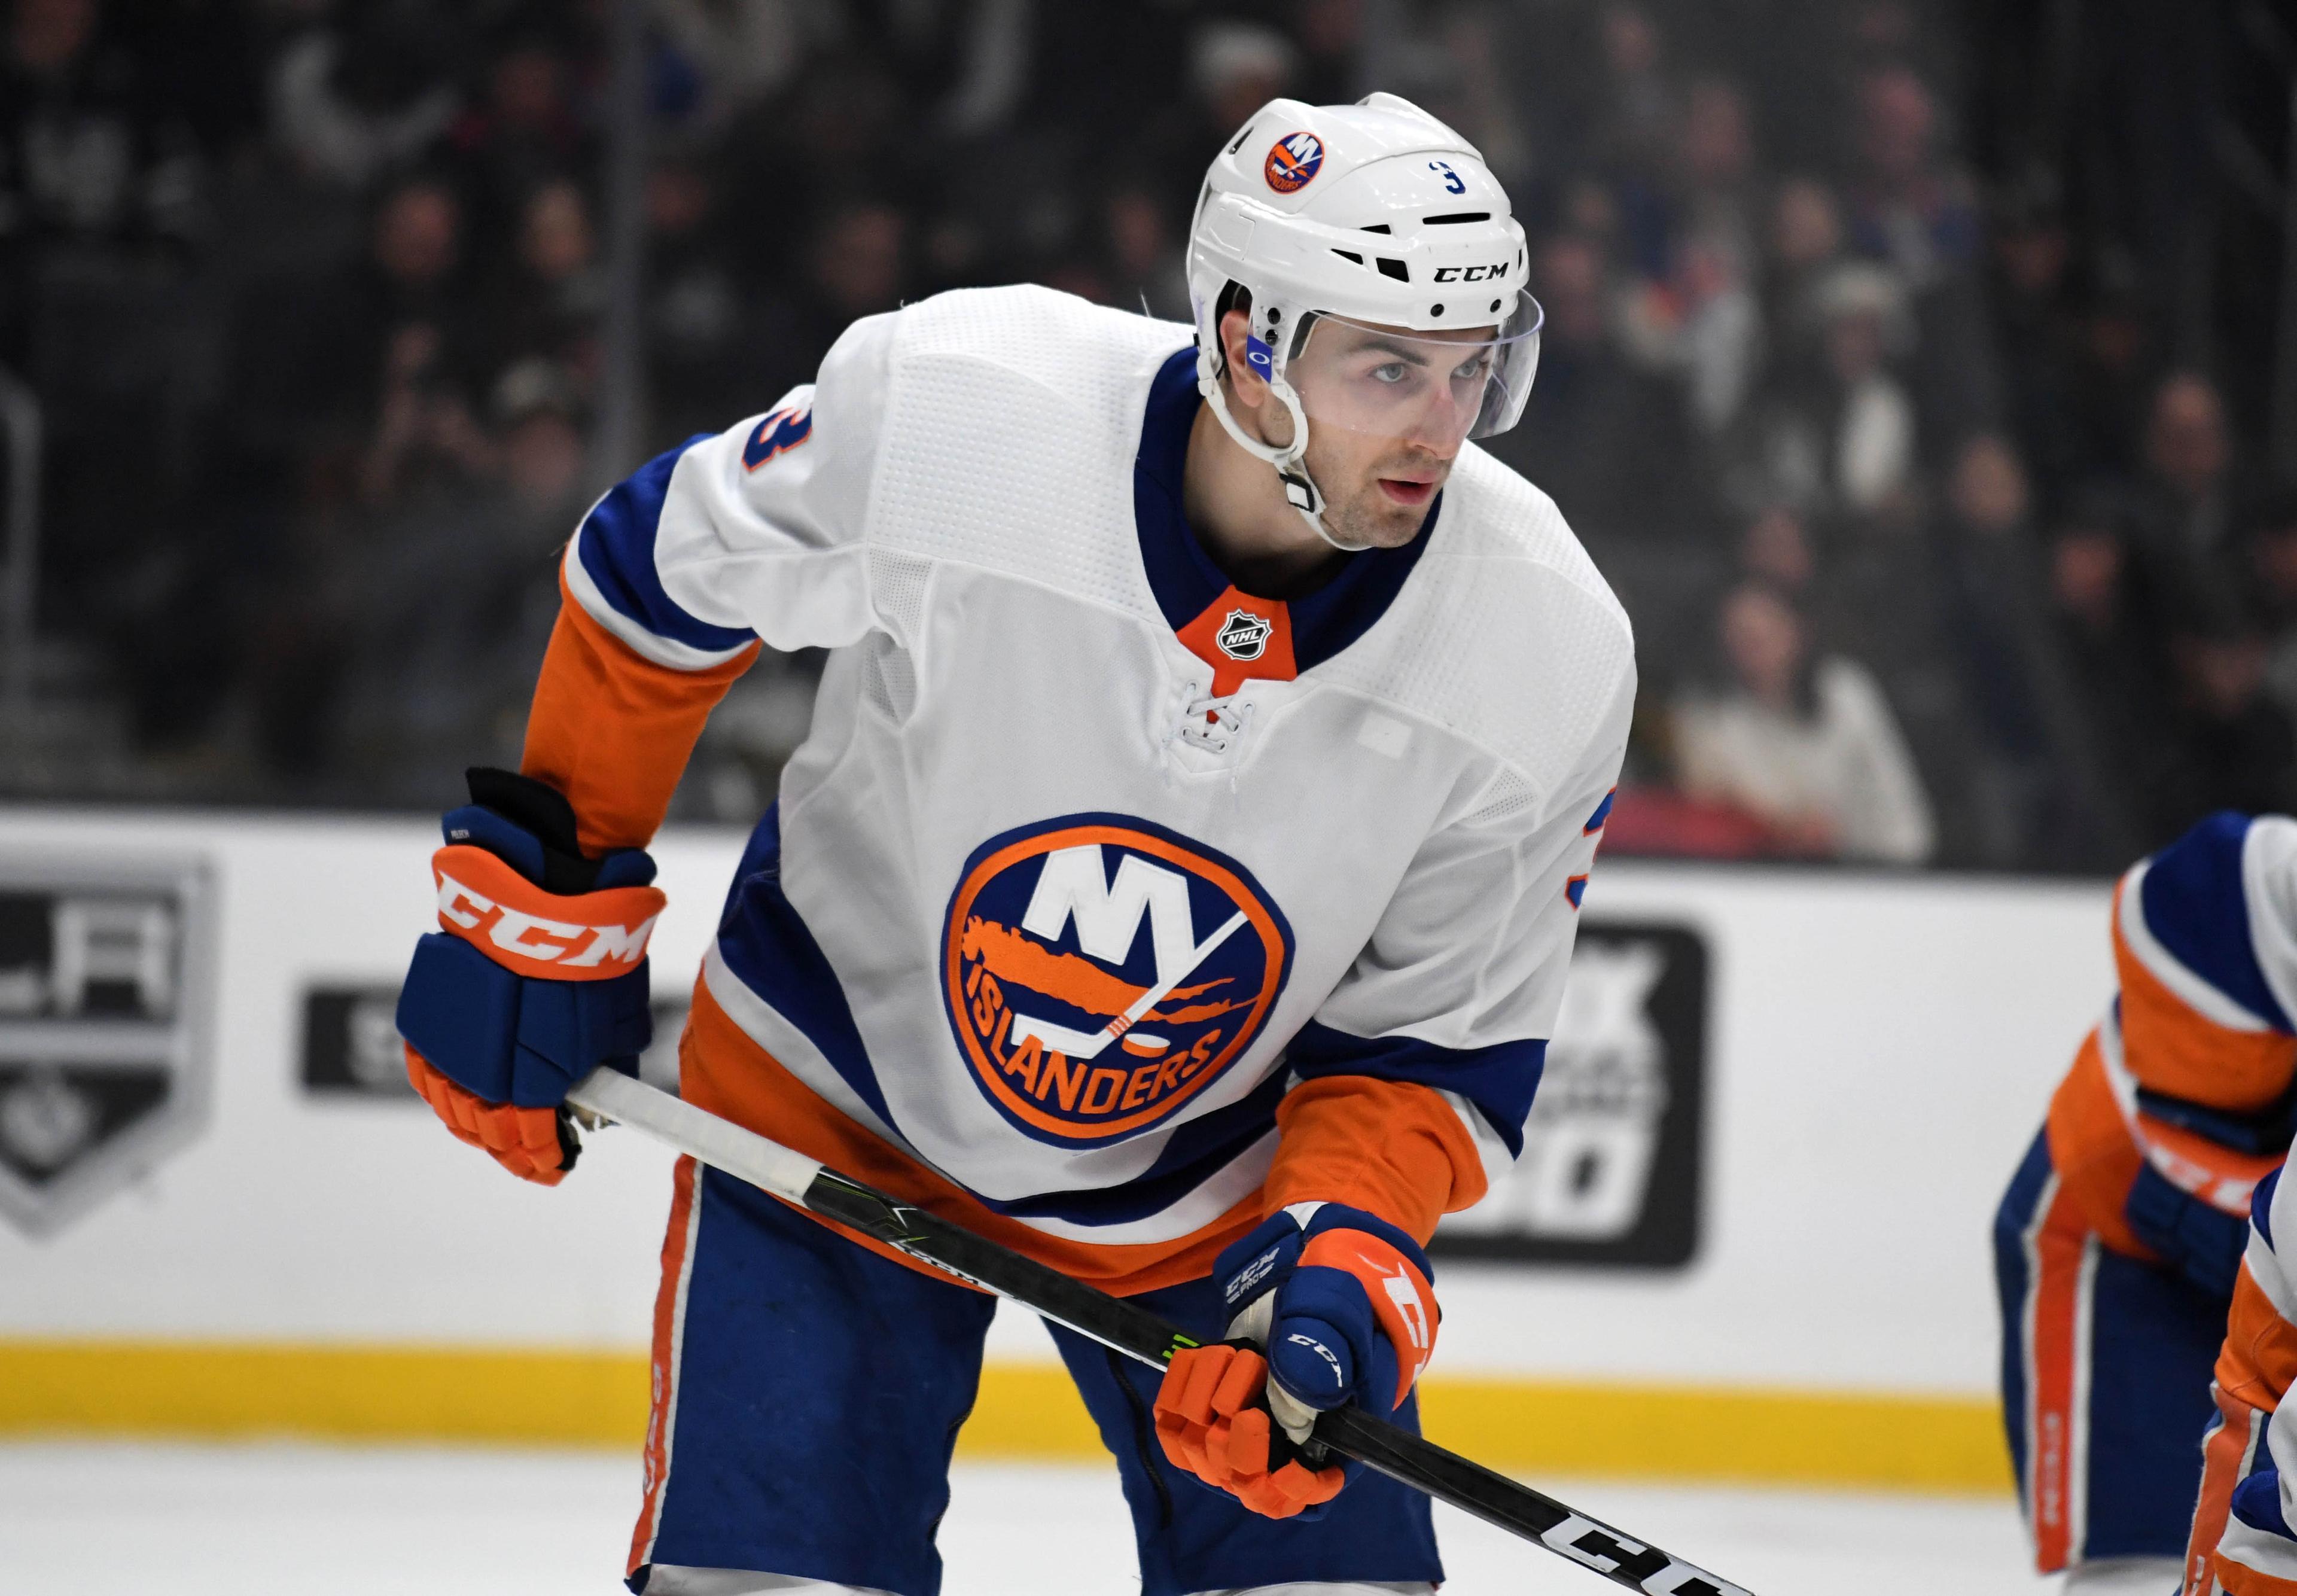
(1117, 1324)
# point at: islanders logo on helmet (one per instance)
(1100, 972)
(1292, 161)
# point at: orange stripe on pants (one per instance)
(2224, 1458)
(669, 1322)
(2060, 1252)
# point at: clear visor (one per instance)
(1417, 389)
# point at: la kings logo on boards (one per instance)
(1611, 1167)
(107, 998)
(352, 1050)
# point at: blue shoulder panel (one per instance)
(771, 949)
(2195, 906)
(1500, 1080)
(616, 549)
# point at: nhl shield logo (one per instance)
(1243, 636)
(1100, 972)
(107, 991)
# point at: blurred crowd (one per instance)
(1939, 548)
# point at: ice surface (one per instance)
(87, 1519)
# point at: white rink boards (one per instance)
(1878, 1051)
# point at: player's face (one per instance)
(1388, 410)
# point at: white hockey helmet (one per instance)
(1374, 214)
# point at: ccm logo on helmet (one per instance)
(1292, 161)
(544, 941)
(1470, 274)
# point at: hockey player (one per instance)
(2117, 1246)
(2242, 1541)
(1177, 884)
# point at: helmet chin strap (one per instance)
(1300, 489)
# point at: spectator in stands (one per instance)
(1807, 743)
(1636, 106)
(1746, 367)
(105, 212)
(2237, 749)
(2273, 560)
(1332, 37)
(841, 135)
(524, 130)
(1805, 243)
(1997, 638)
(1915, 211)
(1909, 207)
(1776, 552)
(857, 265)
(446, 607)
(1987, 490)
(548, 303)
(1718, 331)
(2118, 350)
(424, 428)
(363, 365)
(1717, 167)
(2186, 498)
(703, 358)
(2111, 656)
(539, 410)
(89, 150)
(1474, 85)
(1871, 446)
(2041, 342)
(1234, 69)
(1701, 316)
(1609, 441)
(1842, 436)
(1145, 260)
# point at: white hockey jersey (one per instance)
(1089, 858)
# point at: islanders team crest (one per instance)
(1101, 971)
(1292, 161)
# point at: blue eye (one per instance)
(1390, 371)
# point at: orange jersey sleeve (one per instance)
(613, 731)
(1395, 1149)
(2189, 1071)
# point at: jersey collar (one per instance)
(1242, 636)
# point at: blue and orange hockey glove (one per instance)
(1328, 1304)
(2191, 1200)
(536, 976)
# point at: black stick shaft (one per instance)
(1411, 1459)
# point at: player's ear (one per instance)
(1244, 383)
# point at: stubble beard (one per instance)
(1367, 518)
